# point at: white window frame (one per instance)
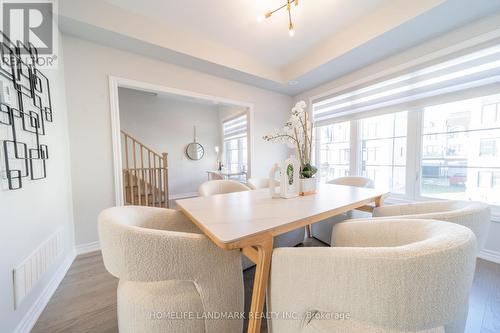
(352, 154)
(248, 138)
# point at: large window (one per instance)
(455, 150)
(466, 164)
(333, 153)
(383, 150)
(453, 142)
(235, 144)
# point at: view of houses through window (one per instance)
(459, 144)
(383, 150)
(460, 155)
(334, 150)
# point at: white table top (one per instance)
(227, 218)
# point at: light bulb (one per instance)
(291, 30)
(261, 18)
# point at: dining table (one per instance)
(249, 221)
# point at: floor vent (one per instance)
(29, 272)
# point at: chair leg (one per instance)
(308, 231)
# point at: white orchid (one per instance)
(297, 133)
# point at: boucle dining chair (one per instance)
(323, 230)
(213, 187)
(357, 181)
(258, 183)
(391, 276)
(165, 265)
(473, 215)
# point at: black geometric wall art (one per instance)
(23, 120)
(7, 54)
(5, 114)
(22, 68)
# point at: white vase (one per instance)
(307, 186)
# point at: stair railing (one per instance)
(145, 174)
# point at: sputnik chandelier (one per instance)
(288, 6)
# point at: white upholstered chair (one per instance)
(213, 187)
(357, 181)
(474, 215)
(258, 183)
(391, 276)
(323, 230)
(166, 265)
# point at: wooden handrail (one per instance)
(145, 174)
(133, 139)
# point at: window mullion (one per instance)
(354, 158)
(413, 153)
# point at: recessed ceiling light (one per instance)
(293, 83)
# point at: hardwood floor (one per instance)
(85, 301)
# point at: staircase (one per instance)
(145, 174)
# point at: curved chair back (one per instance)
(474, 215)
(148, 248)
(393, 275)
(212, 187)
(258, 183)
(433, 273)
(357, 181)
(125, 231)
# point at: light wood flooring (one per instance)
(85, 301)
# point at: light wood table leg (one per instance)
(379, 201)
(264, 253)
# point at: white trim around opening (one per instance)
(118, 82)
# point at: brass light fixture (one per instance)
(288, 6)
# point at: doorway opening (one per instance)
(166, 141)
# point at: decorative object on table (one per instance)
(288, 6)
(290, 184)
(274, 175)
(298, 135)
(194, 150)
(25, 111)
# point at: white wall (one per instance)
(166, 125)
(454, 37)
(87, 68)
(226, 112)
(34, 213)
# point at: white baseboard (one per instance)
(489, 255)
(183, 195)
(30, 318)
(88, 247)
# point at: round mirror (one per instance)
(195, 151)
